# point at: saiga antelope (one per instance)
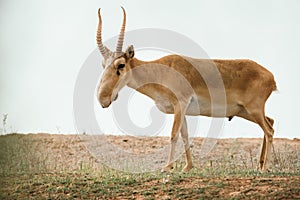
(182, 86)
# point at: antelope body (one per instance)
(182, 86)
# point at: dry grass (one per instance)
(47, 166)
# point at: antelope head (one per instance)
(116, 66)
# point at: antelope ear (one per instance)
(129, 52)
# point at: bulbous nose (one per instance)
(105, 103)
(103, 98)
(104, 106)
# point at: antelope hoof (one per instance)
(261, 165)
(167, 168)
(187, 168)
(263, 169)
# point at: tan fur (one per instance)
(182, 86)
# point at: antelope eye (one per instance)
(121, 66)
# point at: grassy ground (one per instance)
(59, 167)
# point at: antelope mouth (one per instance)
(116, 97)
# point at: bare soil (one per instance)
(51, 166)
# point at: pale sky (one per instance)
(43, 45)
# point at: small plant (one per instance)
(4, 120)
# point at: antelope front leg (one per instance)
(178, 120)
(184, 134)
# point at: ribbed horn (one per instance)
(99, 37)
(122, 32)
